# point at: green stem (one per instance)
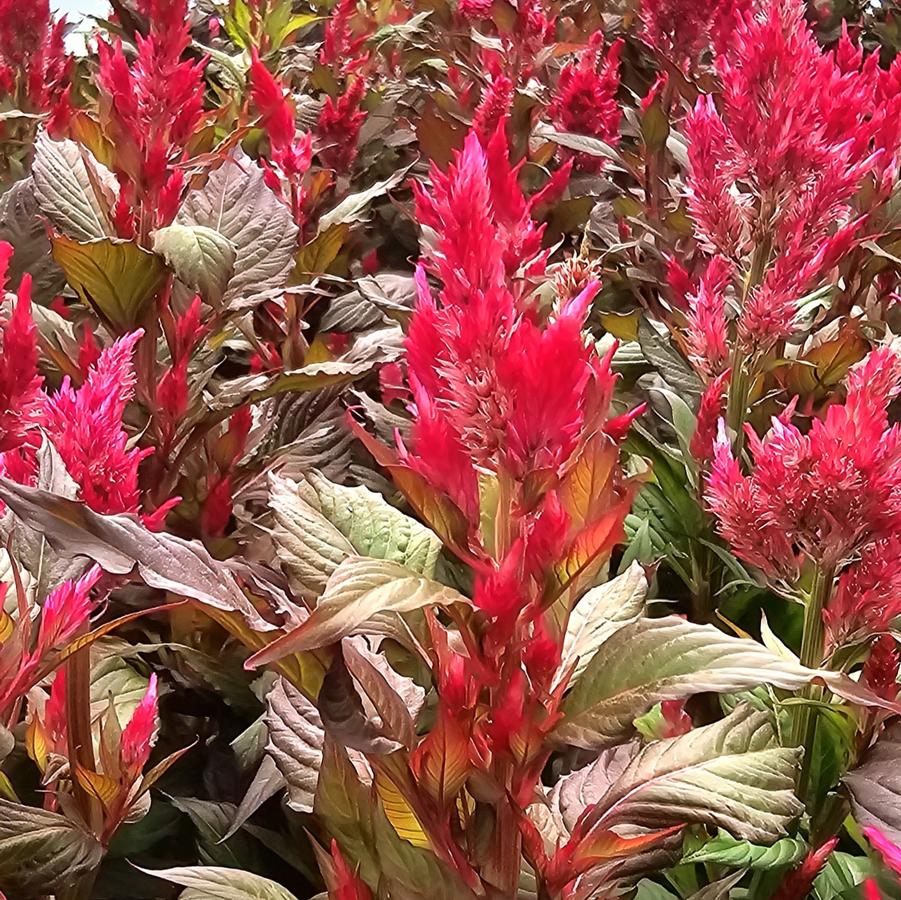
(804, 722)
(737, 402)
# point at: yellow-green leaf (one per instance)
(118, 279)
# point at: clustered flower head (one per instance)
(772, 175)
(84, 424)
(503, 392)
(34, 65)
(585, 99)
(830, 496)
(682, 30)
(149, 110)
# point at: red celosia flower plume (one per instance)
(772, 164)
(139, 734)
(682, 30)
(85, 426)
(34, 65)
(585, 99)
(338, 127)
(482, 221)
(150, 109)
(831, 495)
(20, 383)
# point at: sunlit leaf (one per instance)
(202, 259)
(116, 278)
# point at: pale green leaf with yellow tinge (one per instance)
(319, 524)
(202, 258)
(118, 279)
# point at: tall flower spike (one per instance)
(585, 99)
(139, 735)
(85, 425)
(825, 495)
(65, 610)
(20, 383)
(706, 336)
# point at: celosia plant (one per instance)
(450, 451)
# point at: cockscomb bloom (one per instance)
(710, 411)
(34, 66)
(880, 671)
(682, 30)
(475, 9)
(139, 734)
(771, 164)
(485, 236)
(338, 127)
(888, 850)
(499, 392)
(585, 99)
(796, 885)
(64, 612)
(20, 383)
(289, 152)
(85, 426)
(827, 496)
(341, 49)
(150, 109)
(494, 106)
(706, 337)
(345, 883)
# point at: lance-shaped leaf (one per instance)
(72, 189)
(116, 278)
(730, 775)
(202, 258)
(875, 786)
(236, 203)
(352, 813)
(120, 543)
(353, 207)
(725, 850)
(668, 659)
(601, 612)
(21, 226)
(295, 742)
(218, 883)
(319, 524)
(42, 852)
(358, 590)
(253, 388)
(344, 716)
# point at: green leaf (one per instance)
(296, 739)
(729, 775)
(352, 208)
(664, 659)
(236, 203)
(842, 872)
(215, 847)
(202, 259)
(42, 852)
(357, 591)
(313, 377)
(72, 189)
(218, 883)
(319, 524)
(600, 613)
(24, 228)
(118, 279)
(120, 543)
(725, 850)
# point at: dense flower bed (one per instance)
(448, 450)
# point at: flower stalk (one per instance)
(804, 722)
